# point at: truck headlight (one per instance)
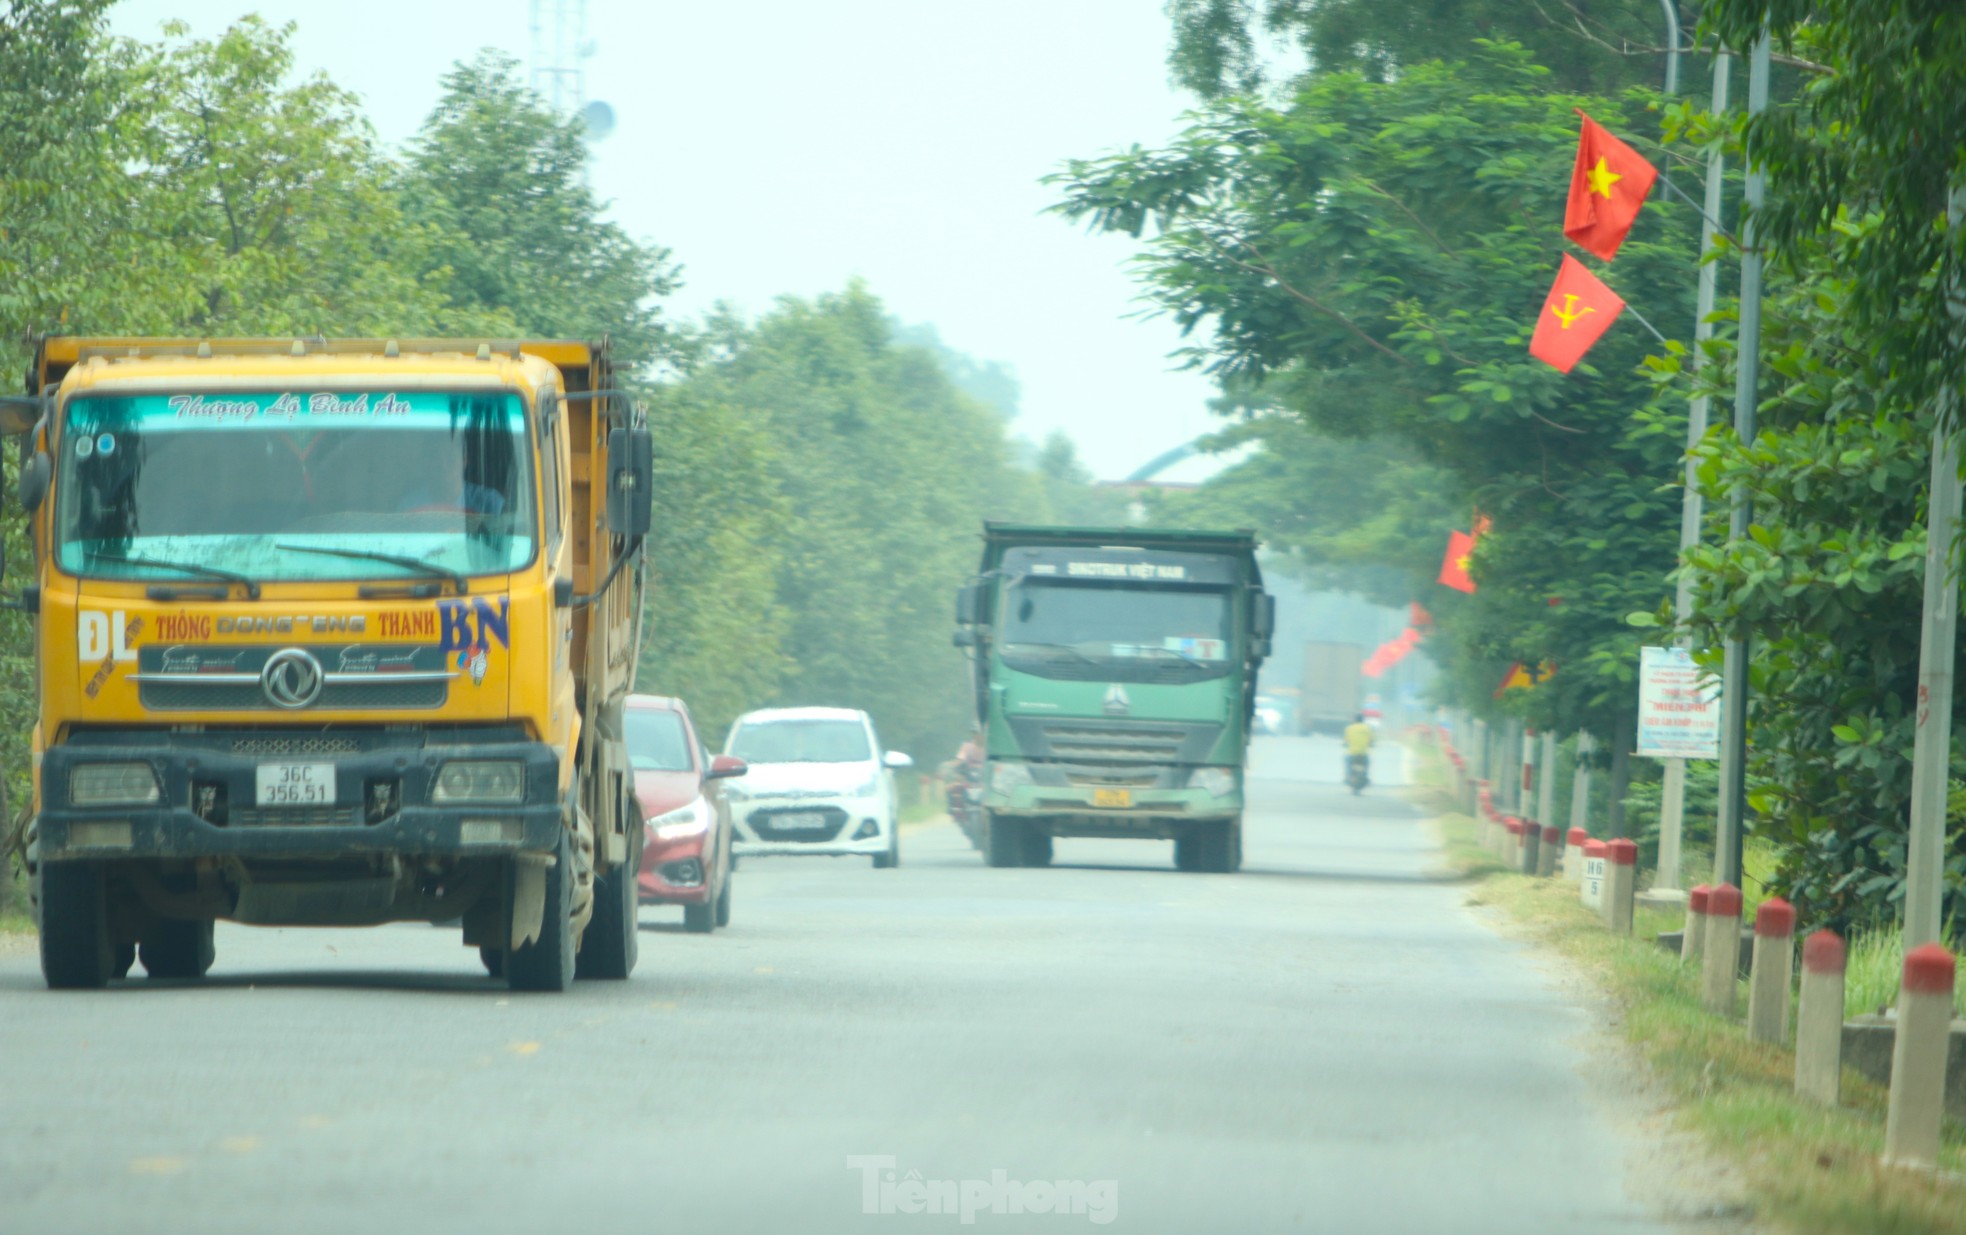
(1005, 777)
(1217, 782)
(684, 821)
(112, 784)
(480, 780)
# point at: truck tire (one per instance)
(546, 964)
(493, 960)
(1235, 844)
(1218, 846)
(175, 948)
(76, 950)
(1037, 847)
(1187, 853)
(1004, 841)
(612, 942)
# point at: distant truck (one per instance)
(332, 632)
(1333, 687)
(1115, 678)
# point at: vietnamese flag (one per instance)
(1454, 567)
(1607, 187)
(1579, 310)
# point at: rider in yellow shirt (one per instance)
(1358, 744)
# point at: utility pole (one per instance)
(1932, 749)
(1734, 673)
(1672, 794)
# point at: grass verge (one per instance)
(1808, 1169)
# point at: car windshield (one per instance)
(294, 485)
(1116, 630)
(657, 741)
(801, 741)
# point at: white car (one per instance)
(818, 783)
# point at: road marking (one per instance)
(239, 1144)
(156, 1166)
(763, 969)
(313, 1121)
(524, 1048)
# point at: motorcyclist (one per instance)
(1358, 745)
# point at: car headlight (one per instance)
(112, 784)
(684, 821)
(866, 789)
(1218, 782)
(1005, 777)
(480, 780)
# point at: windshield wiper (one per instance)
(429, 569)
(189, 568)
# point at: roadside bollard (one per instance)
(1768, 978)
(1573, 855)
(1819, 1021)
(1918, 1058)
(1719, 968)
(1529, 844)
(1546, 855)
(1620, 886)
(1590, 889)
(1692, 941)
(1511, 841)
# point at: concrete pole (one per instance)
(1774, 963)
(1546, 783)
(1734, 673)
(1672, 794)
(1620, 885)
(1573, 854)
(1932, 749)
(1918, 1058)
(1552, 845)
(1693, 940)
(1819, 1021)
(1529, 838)
(1580, 784)
(1720, 968)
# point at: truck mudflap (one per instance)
(215, 795)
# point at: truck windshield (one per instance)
(801, 741)
(172, 486)
(1116, 631)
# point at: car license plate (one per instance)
(808, 821)
(1112, 797)
(295, 784)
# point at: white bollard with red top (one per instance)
(1768, 979)
(1590, 889)
(1528, 840)
(1720, 968)
(1819, 1020)
(1918, 1058)
(1620, 885)
(1573, 854)
(1692, 942)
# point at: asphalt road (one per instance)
(1327, 1041)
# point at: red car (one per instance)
(686, 822)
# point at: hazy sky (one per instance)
(783, 147)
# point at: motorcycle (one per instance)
(1358, 772)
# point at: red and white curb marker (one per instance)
(1573, 854)
(1692, 943)
(1774, 963)
(1918, 1058)
(1719, 968)
(1591, 890)
(1620, 885)
(1552, 845)
(1819, 1020)
(1528, 839)
(1511, 848)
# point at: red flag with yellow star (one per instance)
(1607, 187)
(1454, 567)
(1579, 310)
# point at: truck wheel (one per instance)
(76, 951)
(1187, 853)
(612, 943)
(1037, 847)
(723, 903)
(493, 960)
(1218, 843)
(546, 964)
(1235, 843)
(1005, 841)
(175, 948)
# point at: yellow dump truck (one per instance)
(332, 632)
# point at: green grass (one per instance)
(1874, 962)
(1807, 1169)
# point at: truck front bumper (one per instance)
(1080, 811)
(384, 781)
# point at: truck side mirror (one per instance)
(35, 472)
(631, 481)
(1263, 617)
(964, 637)
(969, 604)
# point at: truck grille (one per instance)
(297, 817)
(1083, 743)
(1104, 778)
(226, 697)
(286, 748)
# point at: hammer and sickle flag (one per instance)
(1579, 310)
(1608, 187)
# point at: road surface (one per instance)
(1325, 1042)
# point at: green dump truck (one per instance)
(1115, 676)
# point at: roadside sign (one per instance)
(1678, 706)
(1592, 892)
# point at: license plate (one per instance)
(800, 821)
(295, 784)
(1112, 797)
